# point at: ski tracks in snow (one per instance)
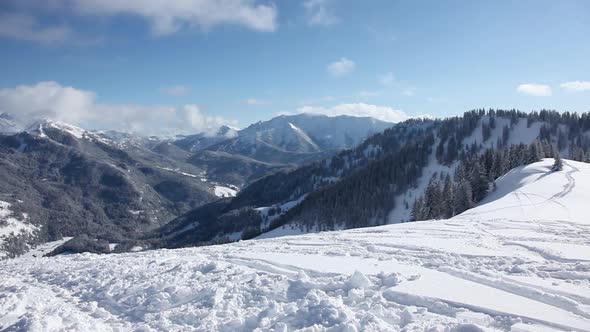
(312, 282)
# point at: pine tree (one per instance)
(558, 164)
(432, 200)
(479, 183)
(535, 152)
(462, 200)
(447, 198)
(462, 197)
(417, 209)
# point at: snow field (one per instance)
(516, 269)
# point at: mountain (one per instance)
(102, 187)
(300, 134)
(516, 262)
(194, 143)
(280, 143)
(379, 181)
(58, 180)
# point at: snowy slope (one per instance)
(533, 193)
(519, 262)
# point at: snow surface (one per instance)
(221, 191)
(502, 266)
(45, 248)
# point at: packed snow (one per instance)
(512, 264)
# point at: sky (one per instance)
(160, 66)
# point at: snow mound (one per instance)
(489, 269)
(533, 192)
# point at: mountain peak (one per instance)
(38, 127)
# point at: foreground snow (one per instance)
(524, 268)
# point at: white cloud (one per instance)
(254, 101)
(25, 27)
(164, 16)
(54, 101)
(533, 89)
(383, 113)
(576, 86)
(176, 90)
(341, 67)
(387, 78)
(317, 12)
(167, 16)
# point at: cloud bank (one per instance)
(164, 17)
(53, 101)
(383, 113)
(167, 17)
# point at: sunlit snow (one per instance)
(519, 262)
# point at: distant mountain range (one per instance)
(289, 175)
(114, 186)
(280, 143)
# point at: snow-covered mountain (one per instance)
(517, 262)
(241, 157)
(59, 180)
(71, 182)
(194, 143)
(302, 133)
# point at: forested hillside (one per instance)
(384, 179)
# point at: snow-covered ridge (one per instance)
(503, 266)
(38, 127)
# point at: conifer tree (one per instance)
(417, 209)
(447, 198)
(479, 183)
(558, 164)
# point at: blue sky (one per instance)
(207, 62)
